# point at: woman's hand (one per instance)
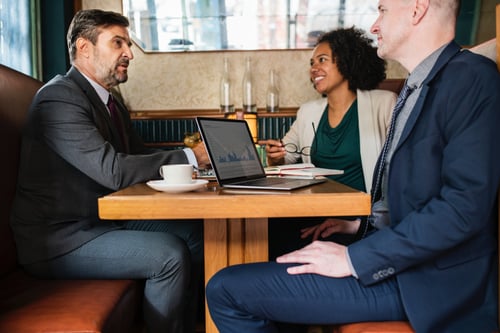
(275, 151)
(329, 227)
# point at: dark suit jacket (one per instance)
(71, 155)
(443, 181)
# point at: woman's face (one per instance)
(324, 73)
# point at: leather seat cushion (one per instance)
(34, 305)
(375, 327)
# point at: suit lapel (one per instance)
(100, 112)
(449, 52)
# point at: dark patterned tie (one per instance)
(403, 95)
(115, 117)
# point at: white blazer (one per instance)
(374, 114)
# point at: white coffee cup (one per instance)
(177, 173)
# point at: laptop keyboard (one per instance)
(267, 181)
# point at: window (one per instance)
(198, 25)
(16, 35)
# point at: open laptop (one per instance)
(235, 160)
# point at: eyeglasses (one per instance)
(293, 149)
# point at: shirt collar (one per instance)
(102, 92)
(419, 74)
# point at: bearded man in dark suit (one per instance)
(73, 152)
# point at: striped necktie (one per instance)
(403, 95)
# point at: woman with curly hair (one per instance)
(345, 129)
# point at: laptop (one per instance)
(235, 160)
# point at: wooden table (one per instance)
(235, 222)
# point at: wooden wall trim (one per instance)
(77, 5)
(498, 34)
(191, 114)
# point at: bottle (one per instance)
(272, 95)
(249, 107)
(226, 98)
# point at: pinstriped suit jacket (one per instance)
(71, 155)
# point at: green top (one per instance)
(338, 148)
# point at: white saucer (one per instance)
(160, 185)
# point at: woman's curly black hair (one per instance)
(356, 58)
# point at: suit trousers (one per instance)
(167, 254)
(259, 297)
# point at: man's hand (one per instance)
(323, 258)
(200, 152)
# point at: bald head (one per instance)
(447, 9)
(410, 30)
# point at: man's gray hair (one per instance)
(87, 24)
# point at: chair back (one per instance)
(498, 66)
(16, 93)
(498, 36)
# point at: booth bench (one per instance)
(29, 304)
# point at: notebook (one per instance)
(235, 160)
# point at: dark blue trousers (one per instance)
(255, 297)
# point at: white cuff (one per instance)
(191, 157)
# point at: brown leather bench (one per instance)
(28, 304)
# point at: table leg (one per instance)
(229, 242)
(216, 252)
(256, 240)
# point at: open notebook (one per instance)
(235, 160)
(305, 170)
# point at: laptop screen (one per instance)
(230, 148)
